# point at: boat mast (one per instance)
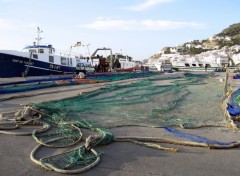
(88, 51)
(38, 39)
(90, 57)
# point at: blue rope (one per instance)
(37, 80)
(32, 87)
(195, 138)
(6, 90)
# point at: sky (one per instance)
(139, 28)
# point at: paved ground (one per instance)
(123, 158)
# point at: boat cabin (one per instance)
(47, 49)
(122, 57)
(47, 53)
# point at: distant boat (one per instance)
(163, 66)
(124, 60)
(113, 62)
(192, 64)
(126, 63)
(37, 60)
(150, 67)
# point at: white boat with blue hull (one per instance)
(37, 60)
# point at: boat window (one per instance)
(200, 65)
(71, 62)
(194, 65)
(51, 59)
(67, 61)
(187, 65)
(35, 56)
(63, 61)
(80, 65)
(41, 50)
(119, 56)
(32, 51)
(50, 51)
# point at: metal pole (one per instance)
(226, 81)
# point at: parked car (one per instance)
(86, 68)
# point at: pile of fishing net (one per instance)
(161, 102)
(153, 101)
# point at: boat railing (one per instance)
(69, 54)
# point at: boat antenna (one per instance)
(39, 31)
(127, 55)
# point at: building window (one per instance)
(41, 50)
(35, 56)
(51, 59)
(63, 61)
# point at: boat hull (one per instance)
(17, 66)
(124, 70)
(195, 69)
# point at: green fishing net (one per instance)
(145, 102)
(156, 101)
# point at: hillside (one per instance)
(228, 37)
(231, 31)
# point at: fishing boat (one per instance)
(37, 60)
(126, 62)
(113, 62)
